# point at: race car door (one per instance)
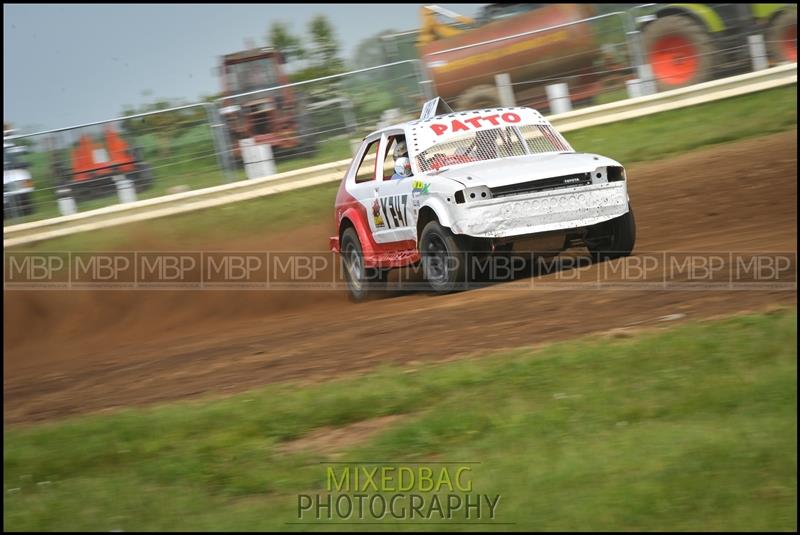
(362, 181)
(394, 196)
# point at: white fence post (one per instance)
(126, 191)
(505, 90)
(758, 52)
(66, 203)
(558, 95)
(258, 159)
(634, 88)
(647, 84)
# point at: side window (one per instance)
(366, 169)
(388, 160)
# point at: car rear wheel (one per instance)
(612, 239)
(362, 282)
(443, 258)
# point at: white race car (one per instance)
(450, 184)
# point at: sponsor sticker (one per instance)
(475, 123)
(419, 187)
(376, 215)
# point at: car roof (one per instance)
(455, 114)
(422, 137)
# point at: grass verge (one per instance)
(673, 132)
(694, 428)
(634, 140)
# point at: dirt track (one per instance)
(70, 352)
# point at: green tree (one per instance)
(370, 52)
(165, 128)
(282, 40)
(325, 51)
(323, 55)
(389, 87)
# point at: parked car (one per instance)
(17, 182)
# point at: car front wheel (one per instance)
(443, 258)
(614, 238)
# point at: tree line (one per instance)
(308, 55)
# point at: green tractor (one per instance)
(687, 44)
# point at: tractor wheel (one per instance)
(679, 51)
(27, 204)
(478, 97)
(142, 178)
(782, 37)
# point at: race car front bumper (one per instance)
(560, 209)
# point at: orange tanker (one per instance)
(464, 72)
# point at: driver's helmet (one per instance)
(402, 166)
(400, 149)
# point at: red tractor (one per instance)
(278, 117)
(96, 167)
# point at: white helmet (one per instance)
(400, 149)
(402, 166)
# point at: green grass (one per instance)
(694, 428)
(672, 132)
(219, 226)
(631, 141)
(327, 151)
(611, 96)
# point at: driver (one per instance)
(486, 144)
(483, 146)
(402, 165)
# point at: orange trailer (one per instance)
(95, 166)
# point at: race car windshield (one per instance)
(491, 144)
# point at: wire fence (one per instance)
(591, 60)
(119, 160)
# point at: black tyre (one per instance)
(679, 50)
(27, 204)
(362, 282)
(782, 37)
(444, 261)
(612, 239)
(584, 102)
(142, 178)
